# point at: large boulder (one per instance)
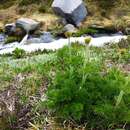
(11, 30)
(27, 24)
(73, 11)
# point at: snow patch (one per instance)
(57, 44)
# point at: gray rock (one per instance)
(10, 28)
(2, 38)
(27, 24)
(73, 11)
(69, 28)
(46, 37)
(33, 40)
(62, 21)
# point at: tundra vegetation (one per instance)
(77, 87)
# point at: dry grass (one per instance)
(120, 11)
(47, 19)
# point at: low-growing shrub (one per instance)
(83, 31)
(125, 55)
(83, 92)
(11, 39)
(42, 9)
(28, 2)
(6, 3)
(18, 53)
(124, 43)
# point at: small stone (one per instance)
(46, 37)
(33, 40)
(69, 28)
(2, 38)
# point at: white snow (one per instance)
(24, 40)
(57, 44)
(101, 41)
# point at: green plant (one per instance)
(18, 53)
(88, 93)
(11, 39)
(56, 29)
(83, 31)
(125, 56)
(124, 43)
(29, 87)
(42, 9)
